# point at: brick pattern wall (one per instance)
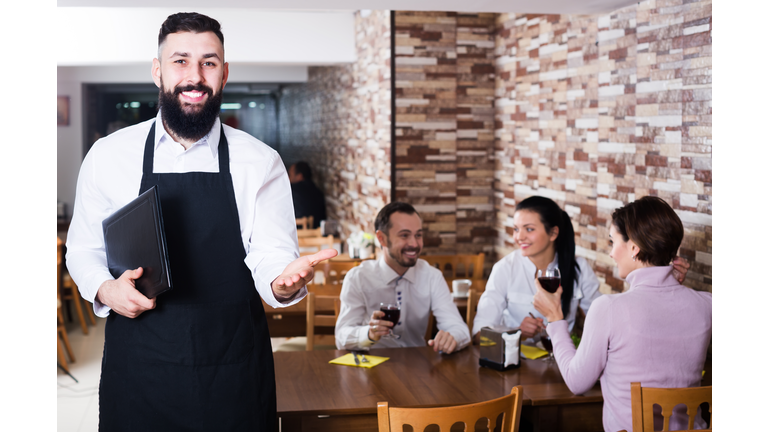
(444, 88)
(339, 122)
(596, 111)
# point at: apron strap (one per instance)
(149, 152)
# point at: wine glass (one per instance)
(547, 343)
(391, 314)
(549, 279)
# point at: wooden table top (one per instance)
(412, 377)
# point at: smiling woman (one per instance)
(544, 234)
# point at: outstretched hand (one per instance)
(299, 273)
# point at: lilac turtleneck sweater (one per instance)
(656, 333)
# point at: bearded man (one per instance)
(198, 357)
(398, 277)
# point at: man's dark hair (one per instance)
(383, 223)
(303, 169)
(189, 22)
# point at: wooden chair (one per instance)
(313, 243)
(69, 292)
(393, 419)
(335, 271)
(322, 311)
(61, 331)
(471, 266)
(306, 222)
(317, 232)
(643, 399)
(472, 298)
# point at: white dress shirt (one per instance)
(508, 296)
(110, 177)
(421, 288)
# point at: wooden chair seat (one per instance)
(644, 398)
(302, 233)
(393, 419)
(458, 266)
(315, 243)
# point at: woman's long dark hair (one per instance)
(551, 215)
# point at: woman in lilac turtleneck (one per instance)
(656, 333)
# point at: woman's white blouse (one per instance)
(508, 296)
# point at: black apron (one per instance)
(202, 359)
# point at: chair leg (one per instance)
(62, 332)
(60, 352)
(79, 309)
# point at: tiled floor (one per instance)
(78, 402)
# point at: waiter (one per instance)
(199, 356)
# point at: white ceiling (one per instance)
(518, 6)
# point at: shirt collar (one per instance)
(390, 275)
(211, 139)
(651, 277)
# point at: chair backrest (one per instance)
(456, 266)
(644, 398)
(335, 271)
(305, 222)
(315, 243)
(472, 298)
(322, 311)
(392, 419)
(316, 232)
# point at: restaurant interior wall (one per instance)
(339, 122)
(444, 123)
(596, 111)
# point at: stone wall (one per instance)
(444, 85)
(596, 111)
(339, 122)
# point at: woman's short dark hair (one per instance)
(189, 22)
(551, 215)
(653, 226)
(383, 223)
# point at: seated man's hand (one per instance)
(531, 327)
(122, 296)
(443, 342)
(378, 327)
(299, 273)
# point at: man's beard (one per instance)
(194, 125)
(401, 259)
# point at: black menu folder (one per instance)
(134, 237)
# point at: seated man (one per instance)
(308, 199)
(398, 276)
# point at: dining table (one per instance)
(313, 394)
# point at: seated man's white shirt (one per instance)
(421, 289)
(110, 177)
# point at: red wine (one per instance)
(550, 283)
(391, 314)
(547, 342)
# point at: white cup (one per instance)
(461, 287)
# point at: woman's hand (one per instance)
(680, 268)
(548, 304)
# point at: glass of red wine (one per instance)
(391, 314)
(547, 343)
(549, 279)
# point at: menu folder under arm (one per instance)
(134, 237)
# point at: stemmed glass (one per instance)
(391, 314)
(547, 342)
(549, 279)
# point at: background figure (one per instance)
(308, 200)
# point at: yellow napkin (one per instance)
(349, 360)
(532, 352)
